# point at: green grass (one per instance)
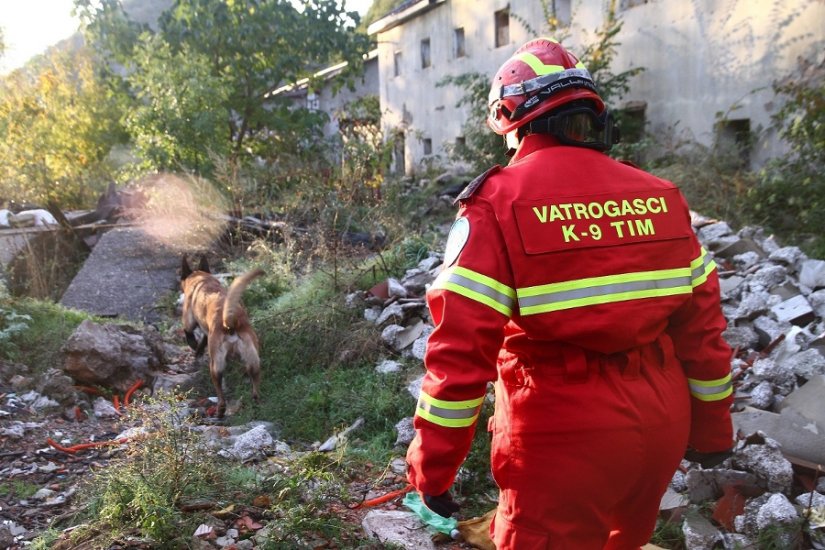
(19, 489)
(48, 327)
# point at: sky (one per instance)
(31, 26)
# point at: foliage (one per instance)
(163, 468)
(206, 74)
(48, 326)
(790, 195)
(378, 9)
(482, 148)
(58, 123)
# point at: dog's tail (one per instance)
(232, 302)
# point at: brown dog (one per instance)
(219, 314)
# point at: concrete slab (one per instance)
(125, 276)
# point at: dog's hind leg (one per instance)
(193, 342)
(249, 356)
(201, 345)
(217, 362)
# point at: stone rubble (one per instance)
(774, 300)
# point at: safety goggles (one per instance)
(580, 126)
(542, 87)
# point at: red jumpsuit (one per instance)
(576, 283)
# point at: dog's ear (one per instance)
(204, 265)
(185, 270)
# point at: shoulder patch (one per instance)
(473, 186)
(458, 237)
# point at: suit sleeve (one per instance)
(470, 302)
(696, 330)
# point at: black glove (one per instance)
(442, 504)
(708, 460)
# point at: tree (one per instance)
(790, 195)
(57, 125)
(203, 78)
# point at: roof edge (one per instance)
(393, 19)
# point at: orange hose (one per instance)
(138, 383)
(80, 446)
(384, 498)
(116, 404)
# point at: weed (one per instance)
(160, 471)
(668, 534)
(19, 489)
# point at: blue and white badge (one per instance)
(459, 234)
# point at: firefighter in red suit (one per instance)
(576, 283)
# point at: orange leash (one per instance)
(384, 498)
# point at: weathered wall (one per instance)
(701, 57)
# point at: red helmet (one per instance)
(539, 77)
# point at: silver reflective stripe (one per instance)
(449, 414)
(702, 390)
(477, 287)
(605, 290)
(542, 81)
(701, 267)
(446, 413)
(711, 390)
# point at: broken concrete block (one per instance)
(396, 527)
(790, 429)
(405, 430)
(395, 288)
(769, 329)
(714, 231)
(817, 301)
(808, 402)
(746, 260)
(785, 291)
(743, 337)
(768, 369)
(752, 305)
(814, 499)
(729, 286)
(705, 485)
(767, 463)
(393, 313)
(700, 534)
(728, 245)
(414, 387)
(806, 365)
(762, 396)
(732, 247)
(777, 511)
(672, 500)
(797, 311)
(812, 274)
(787, 255)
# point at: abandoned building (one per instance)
(709, 66)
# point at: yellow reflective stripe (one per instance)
(701, 267)
(603, 290)
(450, 414)
(603, 280)
(478, 287)
(536, 64)
(604, 299)
(711, 390)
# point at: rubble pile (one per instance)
(773, 298)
